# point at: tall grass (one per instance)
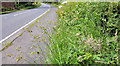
(87, 33)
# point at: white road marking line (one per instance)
(23, 26)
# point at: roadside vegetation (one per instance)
(20, 6)
(55, 4)
(87, 33)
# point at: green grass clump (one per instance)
(87, 33)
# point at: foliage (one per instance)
(28, 5)
(21, 6)
(55, 4)
(87, 33)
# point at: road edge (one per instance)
(26, 25)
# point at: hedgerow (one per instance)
(87, 33)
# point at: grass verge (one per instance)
(87, 33)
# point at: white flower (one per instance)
(60, 6)
(64, 2)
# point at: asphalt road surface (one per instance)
(31, 47)
(13, 21)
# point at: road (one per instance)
(31, 47)
(13, 21)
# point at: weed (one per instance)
(18, 58)
(9, 55)
(29, 30)
(20, 34)
(87, 33)
(32, 53)
(18, 49)
(30, 34)
(36, 37)
(6, 45)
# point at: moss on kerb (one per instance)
(8, 44)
